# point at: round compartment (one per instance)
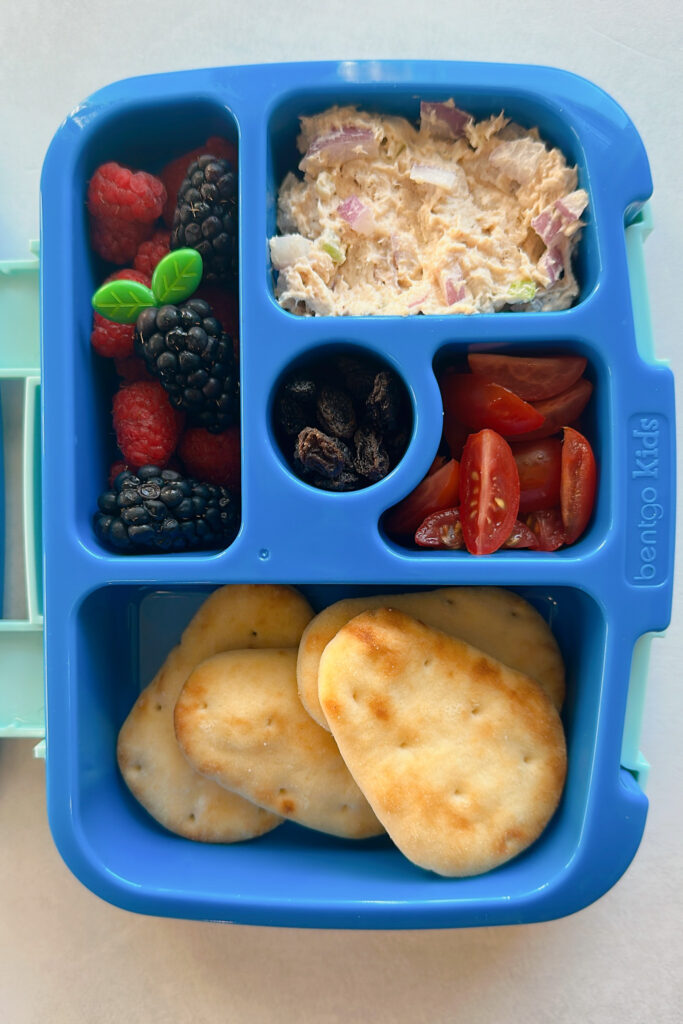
(341, 418)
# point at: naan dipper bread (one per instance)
(239, 722)
(498, 621)
(462, 759)
(151, 762)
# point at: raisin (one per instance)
(371, 458)
(302, 389)
(346, 481)
(336, 414)
(358, 376)
(318, 453)
(383, 404)
(290, 415)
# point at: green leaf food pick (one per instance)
(175, 278)
(122, 301)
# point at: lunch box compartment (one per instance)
(144, 136)
(595, 423)
(521, 106)
(121, 635)
(317, 358)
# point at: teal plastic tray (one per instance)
(22, 700)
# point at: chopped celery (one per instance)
(521, 291)
(334, 252)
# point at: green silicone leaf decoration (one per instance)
(176, 276)
(122, 301)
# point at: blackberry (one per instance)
(186, 348)
(160, 510)
(206, 217)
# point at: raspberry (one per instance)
(132, 368)
(146, 424)
(149, 253)
(174, 172)
(115, 341)
(111, 340)
(116, 467)
(130, 274)
(212, 457)
(117, 193)
(117, 241)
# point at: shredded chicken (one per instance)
(394, 219)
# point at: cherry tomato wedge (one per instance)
(547, 528)
(489, 492)
(521, 537)
(439, 461)
(578, 483)
(441, 530)
(561, 409)
(539, 467)
(532, 378)
(437, 491)
(479, 405)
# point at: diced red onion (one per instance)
(452, 284)
(444, 119)
(561, 214)
(454, 290)
(357, 215)
(428, 174)
(342, 144)
(552, 262)
(543, 224)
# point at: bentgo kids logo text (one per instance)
(649, 487)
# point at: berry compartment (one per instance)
(119, 636)
(146, 136)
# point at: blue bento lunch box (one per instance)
(111, 619)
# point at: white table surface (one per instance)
(67, 957)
